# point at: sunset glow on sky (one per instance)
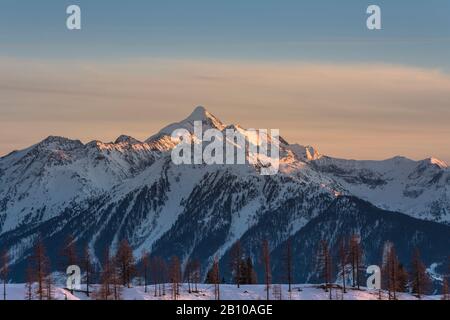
(309, 68)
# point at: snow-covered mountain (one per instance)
(105, 192)
(418, 188)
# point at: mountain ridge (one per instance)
(127, 189)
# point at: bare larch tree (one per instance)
(126, 263)
(356, 259)
(420, 282)
(41, 267)
(4, 270)
(88, 268)
(324, 263)
(175, 276)
(343, 259)
(145, 268)
(267, 268)
(235, 263)
(288, 264)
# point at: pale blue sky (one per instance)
(415, 32)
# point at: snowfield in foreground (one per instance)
(227, 292)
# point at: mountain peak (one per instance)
(306, 152)
(201, 114)
(56, 142)
(208, 120)
(126, 139)
(53, 139)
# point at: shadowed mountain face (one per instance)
(102, 193)
(376, 227)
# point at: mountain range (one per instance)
(102, 193)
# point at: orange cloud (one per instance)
(353, 111)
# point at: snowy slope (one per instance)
(418, 188)
(227, 293)
(38, 183)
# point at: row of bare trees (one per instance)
(395, 277)
(121, 270)
(241, 266)
(243, 271)
(39, 283)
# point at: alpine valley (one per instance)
(102, 193)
